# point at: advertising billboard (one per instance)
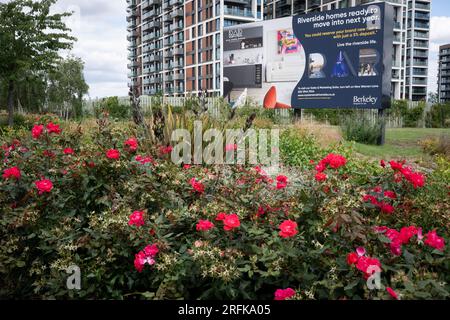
(332, 59)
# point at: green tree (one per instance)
(67, 87)
(30, 41)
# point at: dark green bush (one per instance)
(438, 116)
(361, 129)
(297, 148)
(413, 116)
(115, 109)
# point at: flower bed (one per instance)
(139, 226)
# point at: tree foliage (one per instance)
(31, 39)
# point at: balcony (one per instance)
(132, 35)
(178, 76)
(419, 82)
(179, 39)
(150, 14)
(176, 2)
(149, 3)
(422, 6)
(238, 12)
(152, 25)
(131, 3)
(421, 35)
(180, 52)
(420, 54)
(420, 25)
(168, 66)
(178, 64)
(132, 64)
(421, 44)
(177, 14)
(132, 45)
(422, 16)
(131, 24)
(132, 74)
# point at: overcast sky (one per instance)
(100, 26)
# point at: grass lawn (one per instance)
(401, 143)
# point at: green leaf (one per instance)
(351, 285)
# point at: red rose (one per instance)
(131, 144)
(230, 222)
(416, 179)
(386, 208)
(377, 189)
(136, 219)
(144, 159)
(283, 294)
(68, 151)
(53, 128)
(186, 166)
(13, 172)
(390, 194)
(282, 182)
(320, 176)
(49, 154)
(352, 258)
(221, 216)
(145, 256)
(368, 265)
(406, 233)
(197, 186)
(44, 186)
(382, 163)
(113, 154)
(321, 166)
(37, 130)
(151, 250)
(288, 229)
(434, 241)
(396, 165)
(165, 150)
(204, 225)
(336, 161)
(392, 293)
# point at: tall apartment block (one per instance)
(175, 45)
(444, 74)
(411, 38)
(205, 20)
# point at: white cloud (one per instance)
(100, 27)
(439, 35)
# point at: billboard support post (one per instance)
(382, 120)
(297, 114)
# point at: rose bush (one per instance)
(139, 226)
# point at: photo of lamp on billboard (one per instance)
(269, 68)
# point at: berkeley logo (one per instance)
(365, 100)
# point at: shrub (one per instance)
(361, 129)
(438, 116)
(115, 109)
(139, 226)
(413, 116)
(437, 146)
(297, 148)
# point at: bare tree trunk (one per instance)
(11, 103)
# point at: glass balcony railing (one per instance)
(235, 11)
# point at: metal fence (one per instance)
(214, 105)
